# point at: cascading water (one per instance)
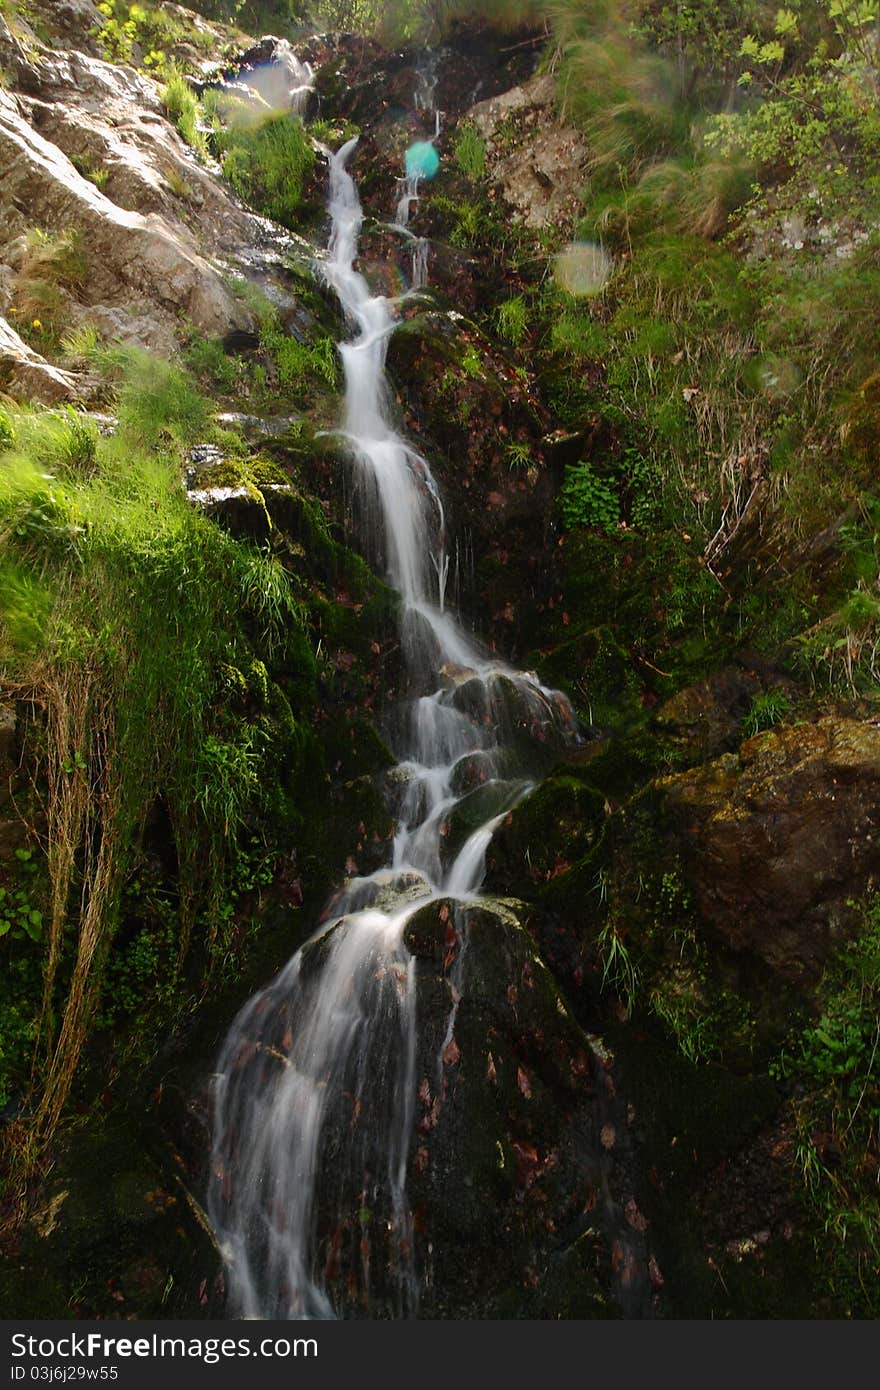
(315, 1086)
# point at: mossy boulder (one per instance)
(707, 719)
(779, 838)
(551, 830)
(599, 675)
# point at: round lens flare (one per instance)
(422, 160)
(582, 268)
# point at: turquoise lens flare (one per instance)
(422, 160)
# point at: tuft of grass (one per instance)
(269, 164)
(182, 107)
(208, 360)
(159, 404)
(512, 320)
(470, 152)
(768, 709)
(298, 365)
(81, 345)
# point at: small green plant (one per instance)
(208, 360)
(619, 970)
(86, 166)
(7, 431)
(56, 256)
(768, 709)
(833, 1069)
(588, 500)
(471, 363)
(298, 365)
(53, 269)
(177, 184)
(470, 152)
(147, 31)
(182, 107)
(19, 917)
(81, 346)
(512, 320)
(677, 1001)
(519, 456)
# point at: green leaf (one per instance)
(786, 23)
(772, 52)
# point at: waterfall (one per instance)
(315, 1084)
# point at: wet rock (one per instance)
(386, 891)
(476, 810)
(483, 425)
(549, 833)
(73, 23)
(600, 675)
(140, 1245)
(781, 836)
(507, 1167)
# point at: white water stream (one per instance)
(315, 1086)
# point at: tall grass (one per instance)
(120, 609)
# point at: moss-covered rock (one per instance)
(779, 838)
(507, 1175)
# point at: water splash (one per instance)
(315, 1086)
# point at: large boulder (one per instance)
(521, 1203)
(537, 163)
(780, 837)
(73, 122)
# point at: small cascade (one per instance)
(315, 1085)
(283, 82)
(425, 101)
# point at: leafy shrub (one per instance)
(588, 500)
